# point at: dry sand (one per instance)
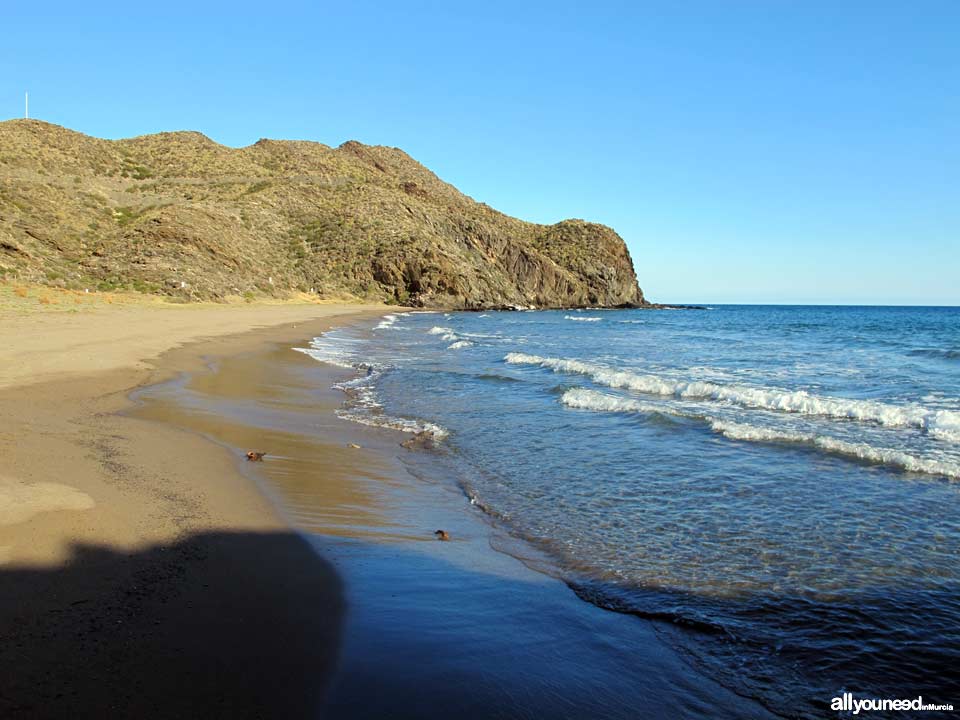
(141, 575)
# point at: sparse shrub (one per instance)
(143, 286)
(257, 187)
(126, 215)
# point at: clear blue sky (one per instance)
(765, 151)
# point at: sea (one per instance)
(776, 488)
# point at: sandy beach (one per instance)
(149, 571)
(142, 575)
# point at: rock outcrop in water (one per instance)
(180, 215)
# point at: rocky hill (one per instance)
(178, 214)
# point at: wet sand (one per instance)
(141, 575)
(183, 592)
(450, 628)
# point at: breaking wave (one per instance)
(339, 347)
(388, 320)
(363, 406)
(332, 350)
(592, 400)
(446, 334)
(943, 424)
(862, 451)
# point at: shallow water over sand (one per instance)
(431, 627)
(779, 484)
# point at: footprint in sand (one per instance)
(20, 501)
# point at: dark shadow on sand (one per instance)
(219, 625)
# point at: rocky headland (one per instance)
(180, 215)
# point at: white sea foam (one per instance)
(337, 346)
(942, 424)
(364, 407)
(582, 319)
(446, 334)
(387, 321)
(459, 344)
(863, 451)
(949, 435)
(392, 423)
(592, 400)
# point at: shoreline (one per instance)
(208, 587)
(141, 574)
(459, 626)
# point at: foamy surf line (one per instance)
(445, 333)
(388, 321)
(942, 424)
(405, 425)
(363, 405)
(330, 353)
(584, 399)
(448, 335)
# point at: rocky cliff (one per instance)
(178, 214)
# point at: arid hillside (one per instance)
(180, 215)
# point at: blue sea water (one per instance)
(778, 487)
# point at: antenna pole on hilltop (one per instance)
(26, 105)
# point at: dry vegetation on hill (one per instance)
(180, 215)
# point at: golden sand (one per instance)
(134, 556)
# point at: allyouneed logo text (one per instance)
(855, 705)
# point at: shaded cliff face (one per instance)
(178, 214)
